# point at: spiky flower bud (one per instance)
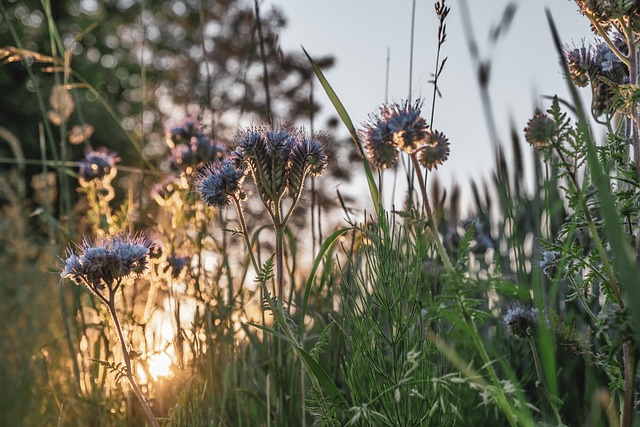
(220, 183)
(436, 150)
(378, 139)
(98, 164)
(306, 157)
(103, 262)
(521, 320)
(191, 146)
(549, 263)
(279, 159)
(540, 131)
(580, 65)
(408, 128)
(401, 127)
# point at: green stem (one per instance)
(583, 301)
(501, 398)
(279, 229)
(477, 341)
(432, 222)
(611, 277)
(127, 362)
(277, 311)
(552, 399)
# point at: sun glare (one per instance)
(159, 365)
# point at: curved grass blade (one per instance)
(324, 248)
(342, 112)
(323, 378)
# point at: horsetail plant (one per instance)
(102, 266)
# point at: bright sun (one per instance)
(159, 365)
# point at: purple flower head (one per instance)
(206, 149)
(220, 183)
(177, 264)
(181, 156)
(279, 159)
(315, 157)
(521, 320)
(409, 129)
(191, 146)
(549, 263)
(184, 131)
(395, 127)
(580, 64)
(378, 140)
(98, 164)
(105, 261)
(131, 254)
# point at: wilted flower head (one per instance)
(436, 150)
(549, 263)
(521, 320)
(98, 164)
(219, 183)
(540, 131)
(279, 159)
(105, 261)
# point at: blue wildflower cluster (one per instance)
(106, 261)
(98, 164)
(400, 127)
(191, 146)
(521, 320)
(221, 182)
(279, 159)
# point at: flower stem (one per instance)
(611, 277)
(552, 399)
(127, 363)
(432, 222)
(477, 341)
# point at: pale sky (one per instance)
(359, 32)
